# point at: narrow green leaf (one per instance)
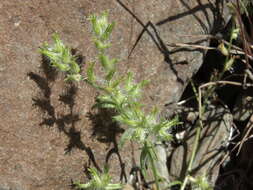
(73, 77)
(95, 26)
(101, 45)
(173, 183)
(105, 62)
(74, 67)
(108, 31)
(61, 67)
(114, 84)
(110, 75)
(90, 73)
(128, 81)
(105, 101)
(127, 135)
(144, 160)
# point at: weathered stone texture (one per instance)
(32, 156)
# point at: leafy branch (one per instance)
(99, 181)
(61, 58)
(118, 92)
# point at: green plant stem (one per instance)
(184, 183)
(154, 170)
(227, 58)
(202, 110)
(197, 137)
(195, 147)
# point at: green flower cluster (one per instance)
(118, 92)
(62, 59)
(99, 181)
(122, 93)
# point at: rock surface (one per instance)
(243, 106)
(214, 139)
(42, 118)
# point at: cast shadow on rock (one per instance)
(65, 122)
(210, 28)
(106, 130)
(212, 146)
(215, 8)
(218, 24)
(156, 38)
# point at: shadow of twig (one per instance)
(156, 38)
(215, 8)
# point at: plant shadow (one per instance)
(106, 130)
(65, 122)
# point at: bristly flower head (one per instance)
(60, 57)
(99, 181)
(102, 30)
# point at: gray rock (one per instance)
(243, 108)
(217, 123)
(40, 150)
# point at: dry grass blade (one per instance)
(190, 46)
(246, 38)
(211, 84)
(246, 134)
(234, 49)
